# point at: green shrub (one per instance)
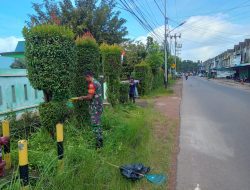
(111, 56)
(88, 59)
(26, 124)
(127, 70)
(50, 53)
(144, 74)
(158, 79)
(51, 113)
(124, 89)
(154, 58)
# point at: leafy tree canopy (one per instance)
(135, 52)
(98, 17)
(187, 66)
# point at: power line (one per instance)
(159, 8)
(140, 16)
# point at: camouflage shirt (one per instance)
(96, 106)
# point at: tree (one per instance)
(150, 41)
(187, 66)
(99, 18)
(135, 53)
(18, 64)
(154, 57)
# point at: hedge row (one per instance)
(111, 58)
(87, 59)
(143, 73)
(56, 63)
(50, 53)
(150, 78)
(50, 57)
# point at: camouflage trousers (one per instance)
(95, 116)
(95, 112)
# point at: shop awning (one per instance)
(241, 65)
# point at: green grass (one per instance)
(129, 138)
(161, 91)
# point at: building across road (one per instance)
(233, 63)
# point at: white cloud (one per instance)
(9, 43)
(142, 39)
(204, 37)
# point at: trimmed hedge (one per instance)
(50, 53)
(111, 57)
(143, 73)
(52, 113)
(88, 59)
(124, 90)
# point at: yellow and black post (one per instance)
(23, 163)
(6, 148)
(60, 150)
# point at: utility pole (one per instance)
(175, 36)
(165, 44)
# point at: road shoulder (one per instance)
(230, 83)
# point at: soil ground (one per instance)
(169, 107)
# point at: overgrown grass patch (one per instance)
(129, 137)
(161, 91)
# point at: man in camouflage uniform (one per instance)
(95, 106)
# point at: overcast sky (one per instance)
(212, 26)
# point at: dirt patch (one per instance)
(141, 103)
(168, 131)
(169, 106)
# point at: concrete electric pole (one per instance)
(175, 36)
(165, 44)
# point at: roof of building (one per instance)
(20, 46)
(18, 53)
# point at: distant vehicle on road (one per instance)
(201, 75)
(178, 75)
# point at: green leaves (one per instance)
(111, 56)
(124, 89)
(50, 53)
(98, 17)
(52, 113)
(144, 74)
(87, 59)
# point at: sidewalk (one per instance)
(245, 86)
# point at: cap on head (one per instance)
(88, 74)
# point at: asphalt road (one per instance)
(214, 138)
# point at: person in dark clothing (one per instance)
(94, 97)
(132, 86)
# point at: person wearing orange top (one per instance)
(95, 107)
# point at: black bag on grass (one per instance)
(134, 171)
